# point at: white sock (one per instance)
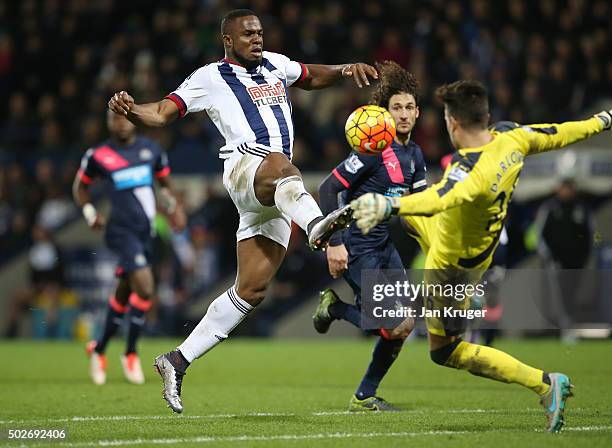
(292, 199)
(223, 315)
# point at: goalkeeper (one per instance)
(458, 221)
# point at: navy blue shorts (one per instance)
(386, 257)
(134, 249)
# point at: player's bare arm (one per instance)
(82, 198)
(172, 206)
(157, 114)
(322, 76)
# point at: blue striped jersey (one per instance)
(251, 108)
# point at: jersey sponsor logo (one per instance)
(394, 192)
(353, 164)
(137, 176)
(268, 95)
(457, 174)
(145, 154)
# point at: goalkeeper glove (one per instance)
(371, 209)
(606, 118)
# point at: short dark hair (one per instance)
(393, 79)
(234, 14)
(467, 102)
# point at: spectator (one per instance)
(564, 214)
(53, 308)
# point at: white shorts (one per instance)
(255, 219)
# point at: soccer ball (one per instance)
(370, 129)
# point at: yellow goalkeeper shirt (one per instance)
(472, 198)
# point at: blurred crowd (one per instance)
(60, 61)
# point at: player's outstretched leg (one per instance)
(223, 315)
(258, 260)
(279, 183)
(497, 365)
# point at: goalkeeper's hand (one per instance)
(606, 118)
(371, 209)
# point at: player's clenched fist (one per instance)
(371, 209)
(121, 103)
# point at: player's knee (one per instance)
(252, 294)
(441, 355)
(289, 170)
(145, 292)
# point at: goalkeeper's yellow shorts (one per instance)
(441, 319)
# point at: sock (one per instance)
(114, 317)
(292, 199)
(223, 315)
(384, 355)
(178, 361)
(497, 365)
(344, 311)
(136, 316)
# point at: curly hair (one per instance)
(393, 79)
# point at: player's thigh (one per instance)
(445, 310)
(275, 166)
(259, 258)
(357, 265)
(421, 228)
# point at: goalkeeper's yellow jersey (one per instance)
(471, 200)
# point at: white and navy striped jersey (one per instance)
(250, 108)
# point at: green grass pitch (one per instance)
(294, 393)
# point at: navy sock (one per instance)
(137, 320)
(384, 354)
(344, 311)
(114, 318)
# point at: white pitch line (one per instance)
(588, 428)
(102, 418)
(289, 437)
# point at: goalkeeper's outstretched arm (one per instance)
(539, 138)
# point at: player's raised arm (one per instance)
(322, 76)
(457, 187)
(545, 137)
(156, 114)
